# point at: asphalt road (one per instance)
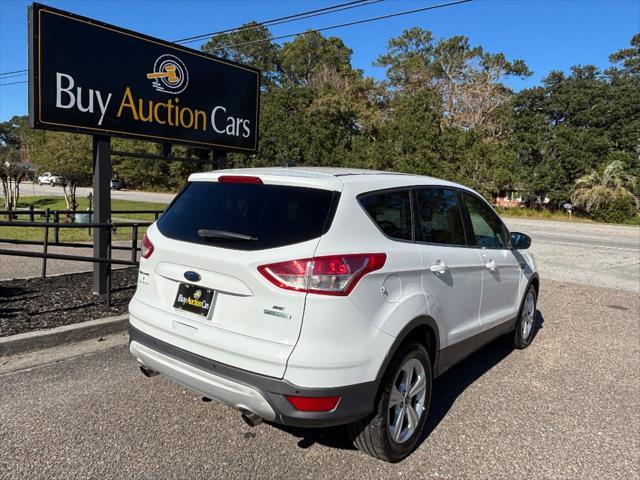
(585, 253)
(567, 407)
(33, 189)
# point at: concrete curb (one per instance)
(26, 342)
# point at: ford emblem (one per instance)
(192, 276)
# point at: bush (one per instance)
(619, 210)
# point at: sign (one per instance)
(89, 77)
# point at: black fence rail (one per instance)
(55, 215)
(47, 225)
(32, 213)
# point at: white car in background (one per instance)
(48, 178)
(116, 184)
(316, 297)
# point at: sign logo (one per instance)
(169, 75)
(197, 294)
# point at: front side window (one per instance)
(391, 211)
(488, 230)
(438, 217)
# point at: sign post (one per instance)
(101, 210)
(220, 159)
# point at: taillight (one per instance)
(239, 179)
(330, 275)
(147, 247)
(314, 404)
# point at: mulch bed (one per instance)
(43, 303)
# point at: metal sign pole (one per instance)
(220, 159)
(101, 209)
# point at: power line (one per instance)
(266, 23)
(11, 74)
(341, 25)
(13, 83)
(322, 29)
(281, 20)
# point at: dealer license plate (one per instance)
(194, 299)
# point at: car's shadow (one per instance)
(446, 389)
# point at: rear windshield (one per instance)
(272, 215)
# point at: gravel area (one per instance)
(568, 407)
(42, 303)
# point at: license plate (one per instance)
(194, 299)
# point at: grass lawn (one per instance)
(558, 215)
(78, 234)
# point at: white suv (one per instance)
(317, 297)
(48, 178)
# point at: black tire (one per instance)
(522, 339)
(372, 435)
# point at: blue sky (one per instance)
(546, 34)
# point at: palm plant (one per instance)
(594, 190)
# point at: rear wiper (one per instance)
(223, 235)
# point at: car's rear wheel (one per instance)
(391, 433)
(525, 325)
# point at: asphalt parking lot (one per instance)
(567, 407)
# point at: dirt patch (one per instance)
(43, 303)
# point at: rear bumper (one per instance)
(241, 389)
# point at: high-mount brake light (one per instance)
(239, 179)
(327, 275)
(147, 247)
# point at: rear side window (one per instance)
(270, 215)
(391, 211)
(438, 217)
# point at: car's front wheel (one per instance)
(391, 433)
(525, 325)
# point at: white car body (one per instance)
(47, 178)
(259, 342)
(116, 184)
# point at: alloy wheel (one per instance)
(406, 402)
(528, 314)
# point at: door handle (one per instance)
(491, 265)
(439, 267)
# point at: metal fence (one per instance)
(52, 223)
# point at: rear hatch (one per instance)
(200, 289)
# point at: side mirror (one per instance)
(520, 241)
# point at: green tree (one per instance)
(598, 189)
(570, 126)
(628, 58)
(13, 155)
(311, 53)
(250, 45)
(469, 80)
(70, 156)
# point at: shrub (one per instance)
(618, 210)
